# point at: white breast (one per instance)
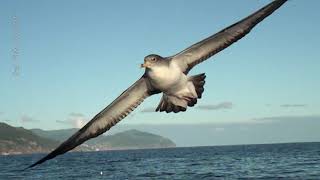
(166, 77)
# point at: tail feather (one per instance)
(167, 105)
(198, 82)
(192, 102)
(175, 104)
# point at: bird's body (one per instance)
(179, 90)
(168, 75)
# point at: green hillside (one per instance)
(18, 140)
(131, 139)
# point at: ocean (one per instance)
(269, 161)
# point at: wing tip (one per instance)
(31, 166)
(45, 158)
(34, 164)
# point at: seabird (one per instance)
(166, 75)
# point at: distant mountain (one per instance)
(17, 140)
(131, 139)
(57, 135)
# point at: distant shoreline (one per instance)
(159, 148)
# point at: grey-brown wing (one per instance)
(107, 118)
(208, 47)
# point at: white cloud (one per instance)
(222, 105)
(287, 118)
(219, 129)
(293, 105)
(148, 110)
(76, 120)
(27, 119)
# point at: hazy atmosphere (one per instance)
(61, 62)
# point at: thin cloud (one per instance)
(148, 110)
(293, 105)
(76, 114)
(62, 122)
(76, 120)
(287, 118)
(28, 119)
(222, 105)
(219, 129)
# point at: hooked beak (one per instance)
(145, 65)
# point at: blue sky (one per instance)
(75, 57)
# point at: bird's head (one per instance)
(151, 61)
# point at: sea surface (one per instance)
(288, 161)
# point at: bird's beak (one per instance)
(145, 65)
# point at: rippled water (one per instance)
(298, 160)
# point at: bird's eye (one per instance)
(153, 59)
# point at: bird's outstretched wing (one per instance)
(210, 46)
(107, 118)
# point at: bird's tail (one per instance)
(198, 82)
(179, 102)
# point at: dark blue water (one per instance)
(290, 161)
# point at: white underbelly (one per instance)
(167, 78)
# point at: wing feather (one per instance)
(107, 118)
(210, 46)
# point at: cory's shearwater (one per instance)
(166, 75)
